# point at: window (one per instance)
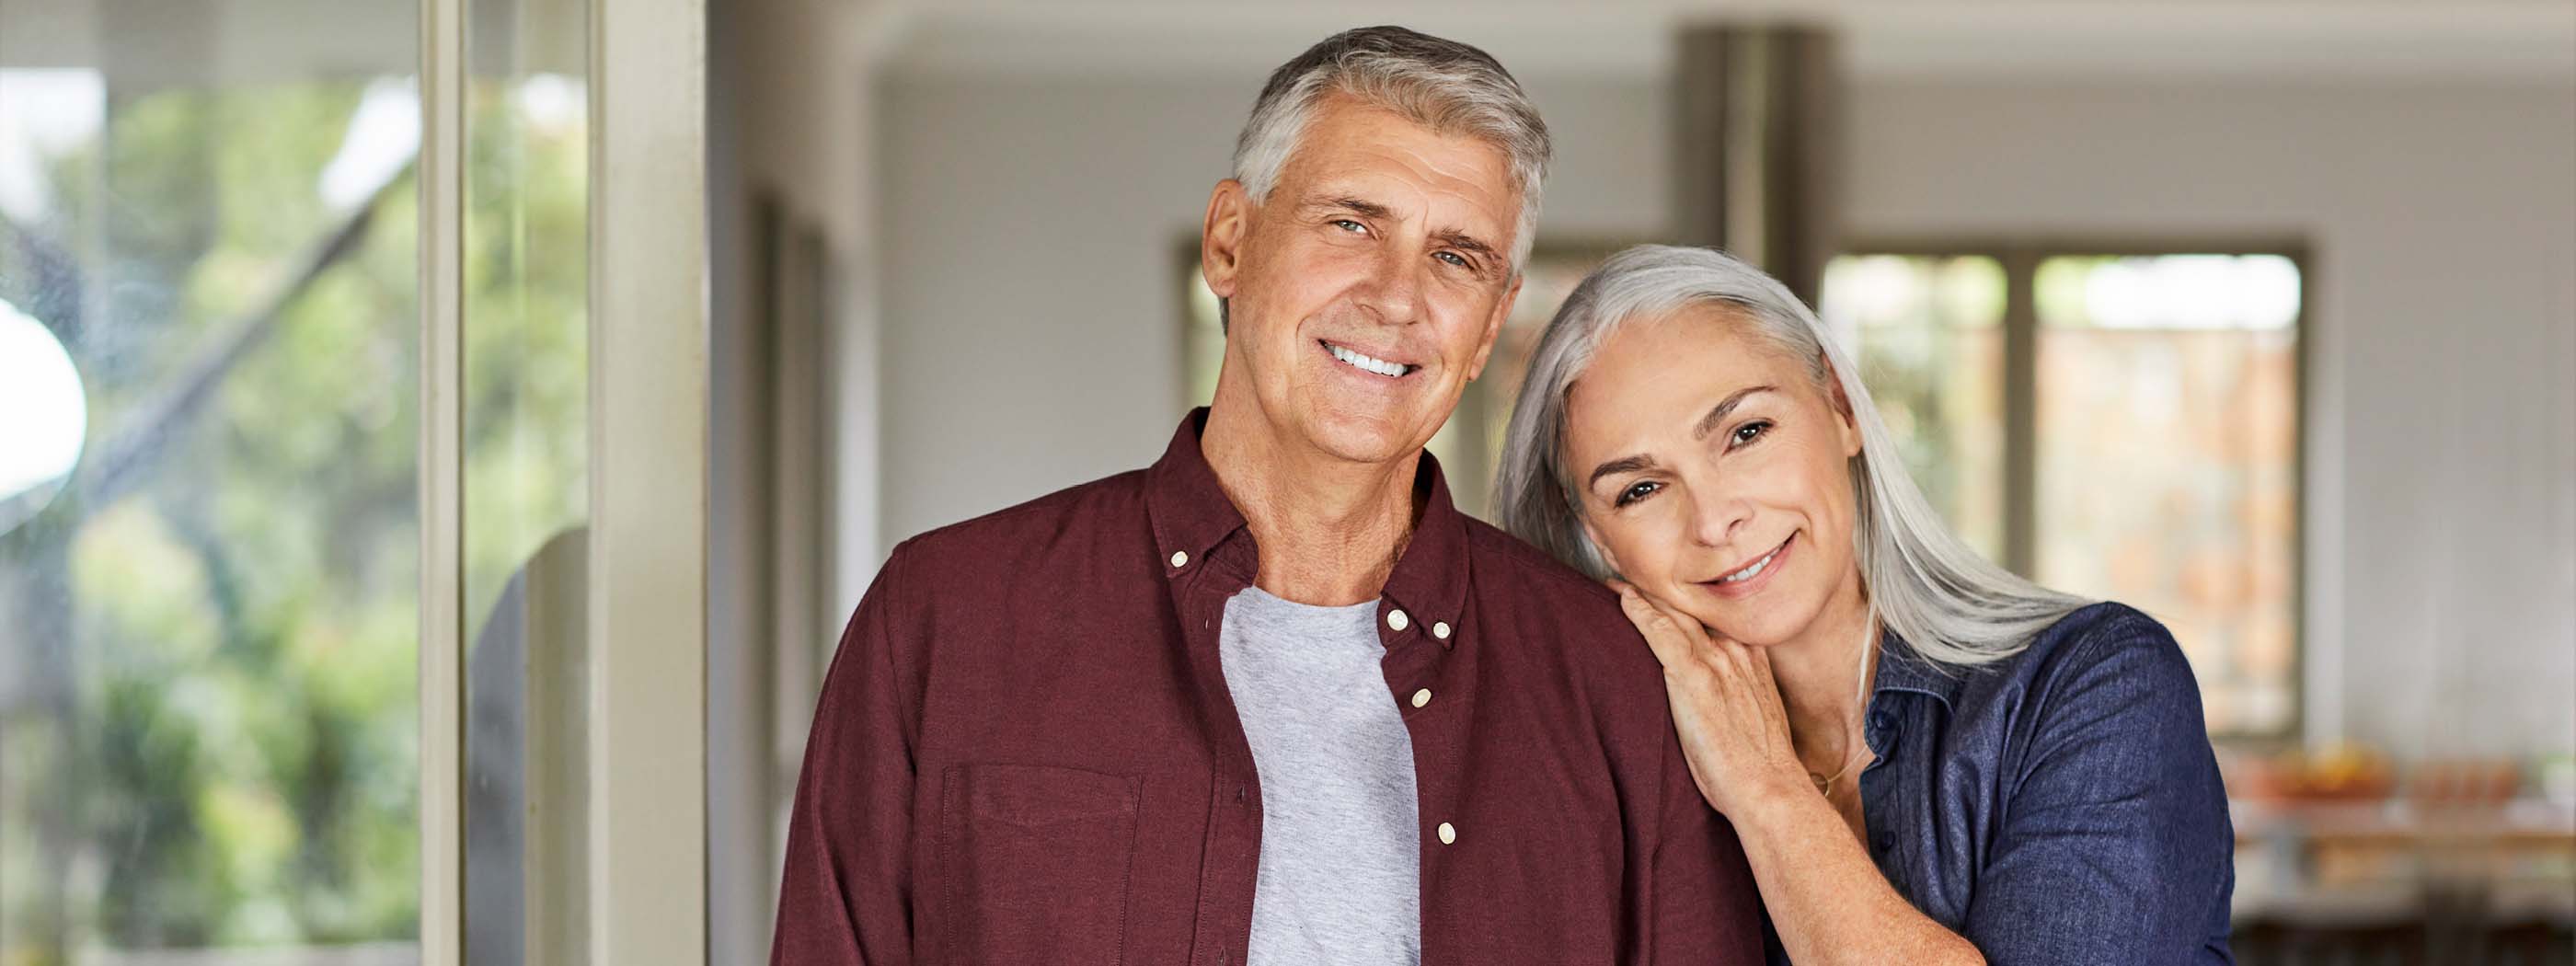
(2121, 424)
(209, 570)
(2115, 422)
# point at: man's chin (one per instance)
(1362, 438)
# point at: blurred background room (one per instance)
(338, 380)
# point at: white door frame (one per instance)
(645, 805)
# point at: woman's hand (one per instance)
(1734, 731)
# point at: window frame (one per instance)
(2021, 258)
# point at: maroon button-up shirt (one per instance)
(1026, 752)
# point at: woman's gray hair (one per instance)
(1444, 85)
(1947, 603)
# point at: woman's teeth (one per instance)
(1755, 569)
(1368, 363)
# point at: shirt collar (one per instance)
(1192, 515)
(1900, 669)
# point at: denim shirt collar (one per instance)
(1900, 669)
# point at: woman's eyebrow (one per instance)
(1717, 414)
(1624, 464)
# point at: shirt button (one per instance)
(1397, 620)
(1440, 629)
(1422, 697)
(1180, 559)
(1448, 834)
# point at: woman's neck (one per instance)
(1822, 674)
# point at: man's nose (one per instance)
(1394, 290)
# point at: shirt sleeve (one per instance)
(2116, 846)
(1703, 906)
(845, 898)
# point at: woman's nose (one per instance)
(1715, 515)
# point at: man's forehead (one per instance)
(1381, 188)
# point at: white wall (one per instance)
(1032, 298)
(788, 121)
(1030, 311)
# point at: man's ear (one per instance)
(1494, 328)
(1229, 215)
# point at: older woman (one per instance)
(1929, 759)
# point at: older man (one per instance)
(1273, 700)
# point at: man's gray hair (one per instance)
(1444, 85)
(1949, 604)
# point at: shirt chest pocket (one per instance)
(1033, 864)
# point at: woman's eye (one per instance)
(1749, 432)
(1638, 491)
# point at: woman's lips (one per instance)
(1754, 584)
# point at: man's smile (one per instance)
(1365, 362)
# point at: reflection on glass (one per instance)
(526, 478)
(2168, 459)
(208, 723)
(1928, 334)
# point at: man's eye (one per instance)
(1749, 432)
(1348, 225)
(1638, 491)
(1452, 258)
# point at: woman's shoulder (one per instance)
(2104, 656)
(2105, 651)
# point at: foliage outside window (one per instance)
(208, 710)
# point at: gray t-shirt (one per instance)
(1340, 875)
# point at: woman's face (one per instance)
(1714, 473)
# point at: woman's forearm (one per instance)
(1827, 899)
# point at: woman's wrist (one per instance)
(1772, 801)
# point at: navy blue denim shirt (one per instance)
(2061, 806)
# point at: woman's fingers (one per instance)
(1664, 634)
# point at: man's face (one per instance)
(1367, 290)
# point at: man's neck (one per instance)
(1329, 529)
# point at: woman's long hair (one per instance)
(1949, 605)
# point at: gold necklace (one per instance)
(1869, 627)
(1825, 785)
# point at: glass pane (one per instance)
(1928, 334)
(2168, 459)
(526, 484)
(208, 437)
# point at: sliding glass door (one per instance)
(309, 535)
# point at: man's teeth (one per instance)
(1372, 364)
(1750, 572)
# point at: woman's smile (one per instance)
(1749, 579)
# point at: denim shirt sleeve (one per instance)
(2115, 827)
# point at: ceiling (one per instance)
(2338, 39)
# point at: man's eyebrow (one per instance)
(1624, 464)
(1357, 206)
(1467, 243)
(1718, 413)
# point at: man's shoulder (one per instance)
(1551, 613)
(1508, 569)
(1082, 514)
